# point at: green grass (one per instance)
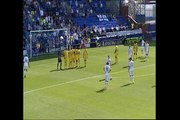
(77, 93)
(44, 56)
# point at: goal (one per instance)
(48, 41)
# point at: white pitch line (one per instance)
(30, 91)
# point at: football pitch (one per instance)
(78, 93)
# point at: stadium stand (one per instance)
(151, 31)
(86, 19)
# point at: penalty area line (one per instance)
(42, 88)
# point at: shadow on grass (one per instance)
(101, 80)
(125, 67)
(143, 60)
(101, 90)
(141, 57)
(126, 85)
(55, 70)
(114, 64)
(67, 69)
(80, 67)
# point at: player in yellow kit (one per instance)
(73, 57)
(75, 54)
(70, 58)
(85, 56)
(77, 57)
(65, 58)
(116, 53)
(135, 50)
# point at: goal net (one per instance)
(48, 41)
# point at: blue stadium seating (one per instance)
(123, 21)
(152, 27)
(93, 20)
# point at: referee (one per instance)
(59, 60)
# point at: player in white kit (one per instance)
(142, 47)
(130, 51)
(26, 64)
(107, 69)
(108, 60)
(147, 49)
(131, 70)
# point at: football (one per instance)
(111, 78)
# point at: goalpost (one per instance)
(48, 41)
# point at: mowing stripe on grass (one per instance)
(137, 76)
(30, 91)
